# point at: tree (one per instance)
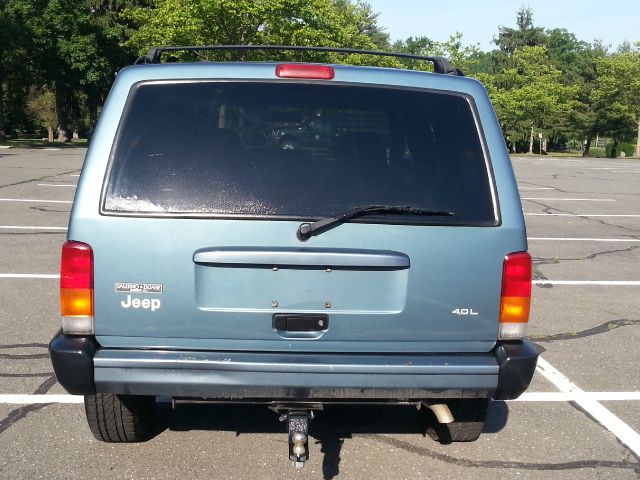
(526, 35)
(15, 68)
(245, 22)
(528, 94)
(42, 107)
(464, 57)
(366, 22)
(617, 97)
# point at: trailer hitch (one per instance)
(298, 416)
(298, 422)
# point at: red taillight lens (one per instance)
(76, 267)
(516, 275)
(294, 70)
(76, 280)
(516, 288)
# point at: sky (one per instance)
(612, 21)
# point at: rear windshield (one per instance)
(295, 150)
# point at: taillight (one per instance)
(76, 288)
(296, 70)
(515, 299)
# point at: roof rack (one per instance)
(440, 64)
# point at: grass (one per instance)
(39, 143)
(575, 154)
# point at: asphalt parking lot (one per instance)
(580, 418)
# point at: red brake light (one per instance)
(516, 275)
(296, 70)
(76, 266)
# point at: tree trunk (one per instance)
(61, 110)
(587, 147)
(50, 133)
(531, 142)
(2, 128)
(93, 119)
(638, 140)
(614, 147)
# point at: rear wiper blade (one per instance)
(306, 230)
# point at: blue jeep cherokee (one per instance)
(383, 260)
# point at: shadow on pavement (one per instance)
(328, 429)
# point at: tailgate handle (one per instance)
(303, 257)
(300, 322)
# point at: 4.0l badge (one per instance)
(464, 311)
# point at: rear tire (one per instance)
(469, 416)
(119, 418)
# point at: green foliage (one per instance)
(617, 95)
(526, 35)
(629, 149)
(41, 105)
(528, 93)
(67, 52)
(597, 152)
(244, 22)
(464, 57)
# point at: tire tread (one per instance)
(119, 418)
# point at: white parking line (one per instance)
(25, 227)
(33, 200)
(572, 199)
(572, 397)
(578, 215)
(597, 411)
(56, 185)
(18, 399)
(608, 283)
(568, 239)
(28, 275)
(32, 399)
(74, 174)
(535, 188)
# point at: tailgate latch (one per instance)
(297, 322)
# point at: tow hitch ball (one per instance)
(298, 422)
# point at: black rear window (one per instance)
(293, 150)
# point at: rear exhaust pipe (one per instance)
(441, 411)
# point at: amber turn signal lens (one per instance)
(515, 309)
(76, 301)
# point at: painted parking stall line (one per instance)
(46, 276)
(30, 227)
(580, 215)
(56, 185)
(17, 399)
(27, 399)
(571, 397)
(33, 200)
(546, 199)
(608, 283)
(597, 411)
(571, 239)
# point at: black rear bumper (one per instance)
(72, 359)
(515, 362)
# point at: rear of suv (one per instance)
(380, 256)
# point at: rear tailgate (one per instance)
(196, 244)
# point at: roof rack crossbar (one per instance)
(440, 64)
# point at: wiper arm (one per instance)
(306, 230)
